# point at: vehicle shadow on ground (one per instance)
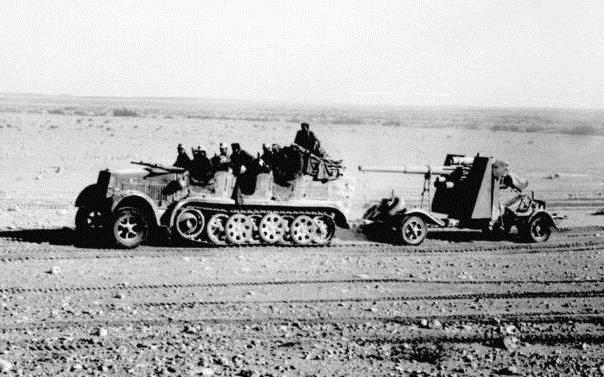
(452, 236)
(470, 236)
(69, 237)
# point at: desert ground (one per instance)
(459, 304)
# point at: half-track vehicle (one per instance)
(130, 205)
(469, 194)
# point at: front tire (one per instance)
(130, 227)
(413, 230)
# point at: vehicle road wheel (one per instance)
(130, 227)
(538, 229)
(239, 229)
(216, 229)
(272, 228)
(413, 230)
(189, 224)
(303, 230)
(326, 228)
(90, 221)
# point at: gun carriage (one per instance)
(468, 195)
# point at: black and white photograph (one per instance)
(302, 188)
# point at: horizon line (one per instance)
(302, 103)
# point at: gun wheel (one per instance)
(413, 230)
(538, 229)
(239, 229)
(189, 224)
(303, 230)
(326, 228)
(216, 229)
(272, 228)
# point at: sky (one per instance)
(469, 53)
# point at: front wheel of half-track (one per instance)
(130, 227)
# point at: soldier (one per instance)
(267, 157)
(201, 169)
(245, 167)
(223, 150)
(182, 160)
(240, 159)
(306, 138)
(221, 161)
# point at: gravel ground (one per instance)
(447, 308)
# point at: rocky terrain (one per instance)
(355, 308)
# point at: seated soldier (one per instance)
(267, 158)
(288, 163)
(182, 160)
(201, 169)
(241, 160)
(221, 161)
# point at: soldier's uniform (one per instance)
(246, 179)
(221, 161)
(307, 140)
(201, 169)
(183, 160)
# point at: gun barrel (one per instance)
(438, 170)
(172, 169)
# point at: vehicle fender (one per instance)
(427, 216)
(139, 200)
(547, 216)
(91, 196)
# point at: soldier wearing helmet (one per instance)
(201, 169)
(221, 161)
(182, 160)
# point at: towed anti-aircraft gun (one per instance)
(468, 194)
